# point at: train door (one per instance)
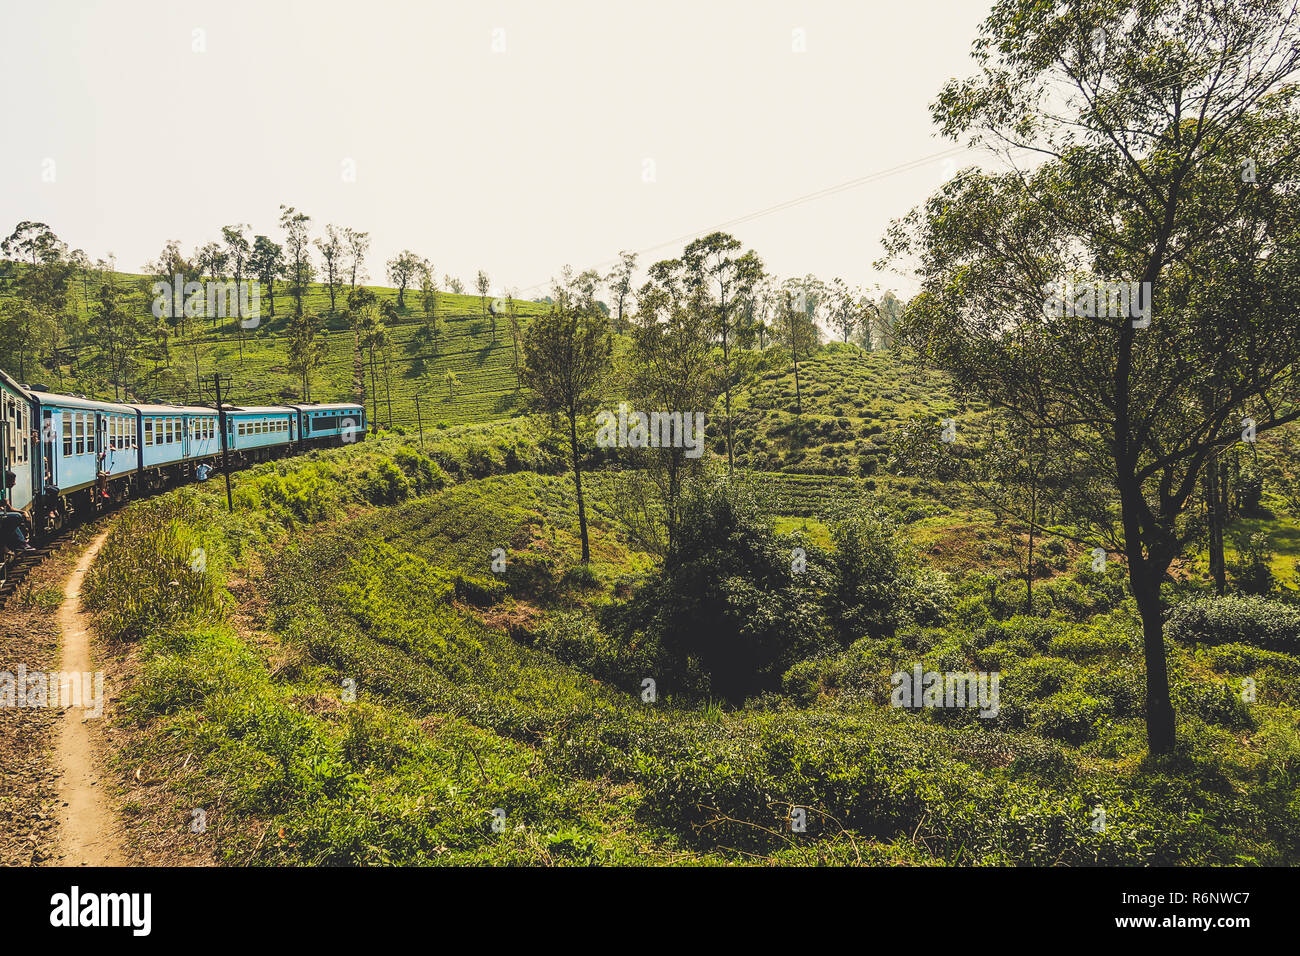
(187, 432)
(6, 456)
(101, 442)
(15, 445)
(49, 435)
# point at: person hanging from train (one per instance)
(203, 470)
(15, 531)
(101, 472)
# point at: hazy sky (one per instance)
(513, 160)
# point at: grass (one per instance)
(242, 701)
(487, 388)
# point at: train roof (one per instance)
(13, 385)
(69, 401)
(258, 409)
(329, 407)
(176, 409)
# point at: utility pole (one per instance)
(221, 427)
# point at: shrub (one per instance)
(728, 599)
(1252, 572)
(1250, 620)
(877, 581)
(1243, 659)
(154, 568)
(1068, 716)
(1213, 702)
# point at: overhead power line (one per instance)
(788, 204)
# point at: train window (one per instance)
(148, 432)
(79, 433)
(67, 435)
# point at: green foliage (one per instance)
(1252, 572)
(1253, 621)
(523, 691)
(877, 581)
(733, 606)
(155, 568)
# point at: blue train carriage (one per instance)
(173, 439)
(19, 451)
(340, 423)
(259, 432)
(88, 457)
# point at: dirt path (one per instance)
(89, 831)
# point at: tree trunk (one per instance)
(1029, 568)
(1214, 509)
(577, 481)
(1144, 580)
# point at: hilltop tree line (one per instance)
(63, 315)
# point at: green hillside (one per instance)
(257, 360)
(851, 401)
(516, 698)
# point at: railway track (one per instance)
(20, 566)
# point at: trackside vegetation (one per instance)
(343, 679)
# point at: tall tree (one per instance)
(516, 335)
(672, 371)
(796, 328)
(619, 283)
(306, 348)
(297, 248)
(484, 285)
(567, 352)
(361, 302)
(176, 272)
(267, 263)
(358, 244)
(844, 311)
(714, 270)
(238, 253)
(1145, 260)
(402, 268)
(429, 302)
(333, 248)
